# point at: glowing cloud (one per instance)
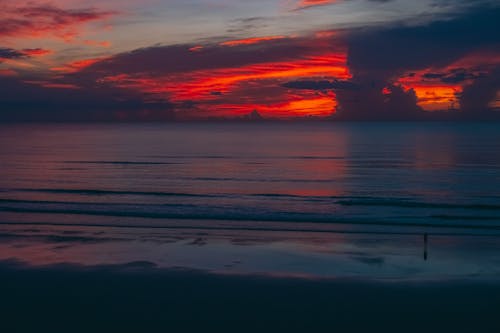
(441, 88)
(303, 4)
(234, 91)
(248, 41)
(38, 52)
(103, 43)
(76, 66)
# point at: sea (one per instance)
(315, 199)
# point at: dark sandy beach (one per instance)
(139, 298)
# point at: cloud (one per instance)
(457, 75)
(249, 41)
(41, 20)
(171, 59)
(438, 44)
(216, 80)
(58, 101)
(246, 24)
(36, 52)
(477, 96)
(9, 53)
(403, 72)
(77, 65)
(381, 58)
(392, 72)
(304, 4)
(321, 85)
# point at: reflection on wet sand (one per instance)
(321, 255)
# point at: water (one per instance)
(283, 184)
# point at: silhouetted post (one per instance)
(425, 246)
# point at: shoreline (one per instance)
(380, 256)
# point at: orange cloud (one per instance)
(313, 3)
(78, 65)
(103, 43)
(196, 48)
(495, 104)
(248, 41)
(433, 98)
(441, 88)
(325, 34)
(291, 106)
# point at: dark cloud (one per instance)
(8, 53)
(432, 76)
(369, 103)
(243, 25)
(321, 85)
(477, 96)
(437, 44)
(162, 60)
(377, 57)
(457, 75)
(32, 102)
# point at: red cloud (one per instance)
(46, 20)
(38, 52)
(8, 72)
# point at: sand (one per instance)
(138, 297)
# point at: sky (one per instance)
(163, 60)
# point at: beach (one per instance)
(136, 297)
(233, 227)
(119, 279)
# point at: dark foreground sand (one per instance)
(140, 298)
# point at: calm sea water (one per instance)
(271, 179)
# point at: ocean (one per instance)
(378, 200)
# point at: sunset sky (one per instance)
(135, 60)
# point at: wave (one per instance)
(197, 212)
(466, 217)
(415, 204)
(262, 180)
(243, 157)
(400, 202)
(122, 162)
(117, 192)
